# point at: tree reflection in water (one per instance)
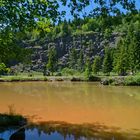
(86, 131)
(66, 131)
(19, 135)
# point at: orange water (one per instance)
(73, 102)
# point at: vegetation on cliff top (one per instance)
(33, 23)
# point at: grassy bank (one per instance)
(105, 80)
(121, 80)
(49, 78)
(21, 78)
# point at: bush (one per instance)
(76, 79)
(132, 81)
(94, 78)
(127, 81)
(2, 68)
(107, 81)
(67, 71)
(58, 74)
(117, 81)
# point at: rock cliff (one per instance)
(90, 43)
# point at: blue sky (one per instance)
(89, 8)
(138, 4)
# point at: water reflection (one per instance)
(19, 135)
(66, 131)
(73, 103)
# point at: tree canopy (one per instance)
(22, 20)
(20, 14)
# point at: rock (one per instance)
(94, 78)
(104, 82)
(74, 79)
(92, 44)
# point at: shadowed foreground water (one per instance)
(65, 131)
(114, 109)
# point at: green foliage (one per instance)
(3, 69)
(132, 81)
(81, 61)
(11, 48)
(88, 68)
(96, 64)
(30, 20)
(121, 60)
(108, 60)
(69, 72)
(107, 33)
(134, 52)
(52, 60)
(73, 58)
(21, 15)
(127, 54)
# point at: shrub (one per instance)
(67, 71)
(76, 79)
(94, 78)
(132, 81)
(58, 74)
(2, 68)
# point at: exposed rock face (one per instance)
(92, 44)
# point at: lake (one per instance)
(86, 110)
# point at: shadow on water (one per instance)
(65, 131)
(18, 135)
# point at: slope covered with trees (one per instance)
(82, 42)
(115, 41)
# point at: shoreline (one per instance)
(104, 80)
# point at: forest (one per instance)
(88, 57)
(70, 69)
(122, 59)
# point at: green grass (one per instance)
(73, 75)
(24, 77)
(71, 72)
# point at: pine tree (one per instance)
(65, 29)
(108, 61)
(81, 61)
(73, 58)
(137, 50)
(121, 60)
(132, 58)
(97, 64)
(134, 53)
(52, 60)
(88, 68)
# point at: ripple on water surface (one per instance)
(75, 103)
